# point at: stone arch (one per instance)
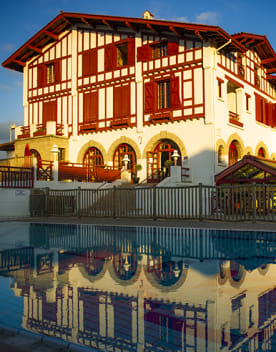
(241, 276)
(164, 135)
(123, 140)
(86, 146)
(152, 280)
(93, 278)
(262, 145)
(240, 144)
(121, 282)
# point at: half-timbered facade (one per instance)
(102, 87)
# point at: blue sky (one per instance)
(20, 20)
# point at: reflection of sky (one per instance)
(11, 309)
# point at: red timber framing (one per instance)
(250, 169)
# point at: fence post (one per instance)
(254, 202)
(46, 206)
(114, 202)
(200, 199)
(79, 202)
(154, 203)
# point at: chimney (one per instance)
(148, 15)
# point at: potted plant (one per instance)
(167, 165)
(135, 178)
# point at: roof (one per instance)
(249, 169)
(261, 45)
(66, 20)
(7, 147)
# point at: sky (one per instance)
(20, 20)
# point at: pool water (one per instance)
(140, 288)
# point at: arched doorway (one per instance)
(233, 153)
(35, 154)
(92, 158)
(158, 159)
(120, 152)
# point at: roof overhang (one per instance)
(261, 45)
(66, 21)
(7, 147)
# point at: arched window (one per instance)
(120, 152)
(261, 152)
(220, 154)
(233, 154)
(92, 158)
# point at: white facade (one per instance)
(108, 102)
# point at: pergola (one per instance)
(250, 169)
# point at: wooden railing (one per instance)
(16, 177)
(25, 132)
(106, 174)
(235, 119)
(228, 203)
(59, 129)
(44, 170)
(40, 130)
(72, 171)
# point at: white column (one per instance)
(239, 102)
(102, 315)
(110, 318)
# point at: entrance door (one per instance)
(152, 166)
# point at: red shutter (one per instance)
(109, 59)
(149, 97)
(131, 51)
(57, 70)
(125, 103)
(258, 108)
(175, 101)
(121, 101)
(172, 48)
(49, 111)
(144, 53)
(274, 115)
(41, 75)
(89, 62)
(90, 107)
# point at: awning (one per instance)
(7, 147)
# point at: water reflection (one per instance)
(147, 289)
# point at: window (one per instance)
(240, 65)
(89, 62)
(48, 73)
(233, 154)
(61, 154)
(122, 54)
(159, 50)
(220, 83)
(162, 94)
(156, 50)
(261, 152)
(256, 76)
(119, 55)
(247, 100)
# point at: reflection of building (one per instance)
(139, 296)
(102, 87)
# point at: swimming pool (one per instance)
(140, 288)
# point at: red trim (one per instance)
(68, 19)
(234, 81)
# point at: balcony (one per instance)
(234, 119)
(36, 130)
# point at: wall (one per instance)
(14, 203)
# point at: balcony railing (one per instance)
(25, 132)
(40, 131)
(45, 170)
(235, 119)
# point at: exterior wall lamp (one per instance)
(175, 156)
(125, 160)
